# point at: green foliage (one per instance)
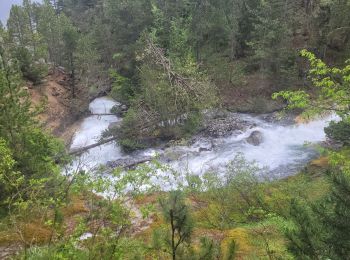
(208, 249)
(331, 86)
(176, 214)
(50, 26)
(26, 42)
(130, 131)
(240, 184)
(40, 36)
(225, 71)
(339, 131)
(33, 150)
(122, 88)
(305, 236)
(170, 99)
(31, 70)
(130, 145)
(271, 29)
(232, 250)
(126, 21)
(8, 175)
(192, 123)
(334, 214)
(30, 173)
(321, 229)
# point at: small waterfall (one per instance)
(90, 132)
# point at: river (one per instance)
(285, 149)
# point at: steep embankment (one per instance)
(53, 97)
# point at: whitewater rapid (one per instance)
(90, 132)
(284, 150)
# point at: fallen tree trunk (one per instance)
(103, 114)
(78, 151)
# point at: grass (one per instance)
(26, 233)
(75, 207)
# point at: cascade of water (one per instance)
(283, 148)
(90, 132)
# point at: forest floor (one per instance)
(253, 95)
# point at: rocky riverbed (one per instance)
(280, 145)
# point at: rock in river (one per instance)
(222, 127)
(255, 138)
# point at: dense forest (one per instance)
(169, 62)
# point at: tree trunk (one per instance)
(173, 248)
(83, 149)
(72, 75)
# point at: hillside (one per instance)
(53, 98)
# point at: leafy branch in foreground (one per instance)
(332, 87)
(332, 95)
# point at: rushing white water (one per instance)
(90, 132)
(284, 148)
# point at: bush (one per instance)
(130, 132)
(130, 145)
(122, 88)
(339, 131)
(192, 123)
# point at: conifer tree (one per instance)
(33, 150)
(335, 215)
(305, 239)
(177, 216)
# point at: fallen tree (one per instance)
(78, 151)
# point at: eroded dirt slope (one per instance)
(53, 96)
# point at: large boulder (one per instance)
(119, 110)
(255, 138)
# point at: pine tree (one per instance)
(322, 229)
(70, 39)
(305, 238)
(33, 150)
(335, 215)
(176, 214)
(271, 38)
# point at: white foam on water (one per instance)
(90, 132)
(283, 149)
(285, 145)
(102, 105)
(91, 129)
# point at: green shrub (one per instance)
(122, 88)
(192, 123)
(130, 145)
(339, 131)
